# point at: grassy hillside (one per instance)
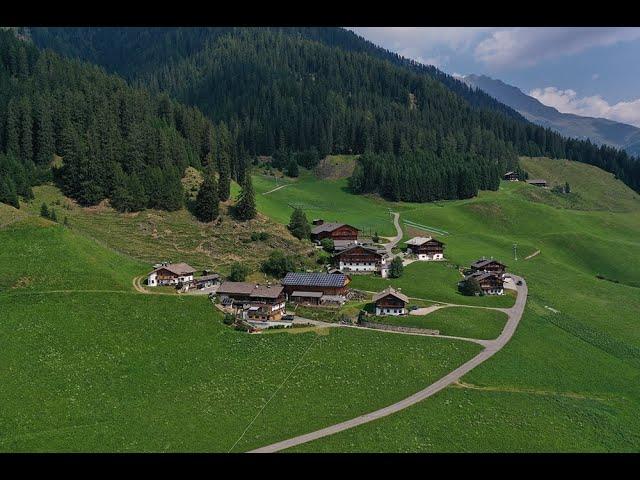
(591, 187)
(91, 365)
(154, 235)
(569, 373)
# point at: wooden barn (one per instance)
(390, 302)
(511, 176)
(538, 182)
(257, 302)
(426, 248)
(334, 231)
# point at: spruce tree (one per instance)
(224, 186)
(292, 168)
(396, 268)
(8, 193)
(44, 210)
(299, 225)
(245, 208)
(207, 201)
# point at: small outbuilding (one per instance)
(390, 302)
(511, 176)
(426, 248)
(538, 182)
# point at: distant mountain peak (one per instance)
(598, 130)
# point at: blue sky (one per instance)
(593, 71)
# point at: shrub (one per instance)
(299, 225)
(228, 319)
(278, 264)
(470, 287)
(327, 244)
(238, 272)
(259, 236)
(396, 268)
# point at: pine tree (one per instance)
(44, 141)
(292, 168)
(44, 210)
(299, 225)
(8, 193)
(245, 208)
(207, 201)
(12, 134)
(224, 185)
(26, 131)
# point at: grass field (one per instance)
(120, 371)
(436, 281)
(457, 321)
(91, 365)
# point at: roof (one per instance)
(484, 263)
(417, 240)
(177, 268)
(369, 249)
(204, 278)
(260, 291)
(390, 291)
(236, 287)
(481, 275)
(509, 173)
(342, 244)
(329, 227)
(300, 293)
(315, 279)
(537, 180)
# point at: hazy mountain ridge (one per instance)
(598, 130)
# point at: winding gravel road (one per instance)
(514, 313)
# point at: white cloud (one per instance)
(567, 101)
(525, 47)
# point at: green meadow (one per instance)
(456, 321)
(91, 365)
(95, 366)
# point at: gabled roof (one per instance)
(484, 263)
(260, 291)
(537, 180)
(330, 227)
(417, 241)
(482, 275)
(390, 291)
(177, 269)
(373, 250)
(205, 278)
(244, 288)
(509, 173)
(299, 293)
(315, 279)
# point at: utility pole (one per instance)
(515, 251)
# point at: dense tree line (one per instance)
(95, 135)
(423, 176)
(298, 89)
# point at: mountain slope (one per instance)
(326, 90)
(598, 130)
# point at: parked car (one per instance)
(413, 307)
(288, 318)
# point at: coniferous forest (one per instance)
(297, 93)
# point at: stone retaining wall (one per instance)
(399, 328)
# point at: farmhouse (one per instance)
(426, 248)
(171, 274)
(329, 284)
(207, 281)
(390, 302)
(361, 259)
(258, 302)
(538, 182)
(334, 231)
(493, 266)
(511, 176)
(491, 283)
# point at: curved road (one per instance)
(514, 313)
(394, 240)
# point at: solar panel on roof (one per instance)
(314, 279)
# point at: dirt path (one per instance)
(275, 189)
(394, 240)
(532, 255)
(491, 347)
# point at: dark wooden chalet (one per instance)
(334, 231)
(511, 176)
(491, 283)
(258, 302)
(426, 248)
(489, 266)
(171, 274)
(390, 302)
(327, 283)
